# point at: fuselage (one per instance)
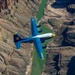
(47, 35)
(43, 35)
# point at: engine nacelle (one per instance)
(44, 46)
(42, 40)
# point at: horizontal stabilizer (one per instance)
(18, 45)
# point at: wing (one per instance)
(37, 41)
(38, 46)
(34, 29)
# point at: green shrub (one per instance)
(54, 22)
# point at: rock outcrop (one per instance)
(14, 17)
(70, 35)
(59, 61)
(61, 51)
(71, 7)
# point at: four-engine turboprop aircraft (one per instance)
(35, 38)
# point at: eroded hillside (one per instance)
(14, 17)
(59, 15)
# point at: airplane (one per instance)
(36, 38)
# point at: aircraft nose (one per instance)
(53, 34)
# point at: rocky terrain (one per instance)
(60, 16)
(14, 17)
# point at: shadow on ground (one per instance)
(56, 59)
(61, 3)
(71, 66)
(64, 4)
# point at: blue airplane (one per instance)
(35, 38)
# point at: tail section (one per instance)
(17, 40)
